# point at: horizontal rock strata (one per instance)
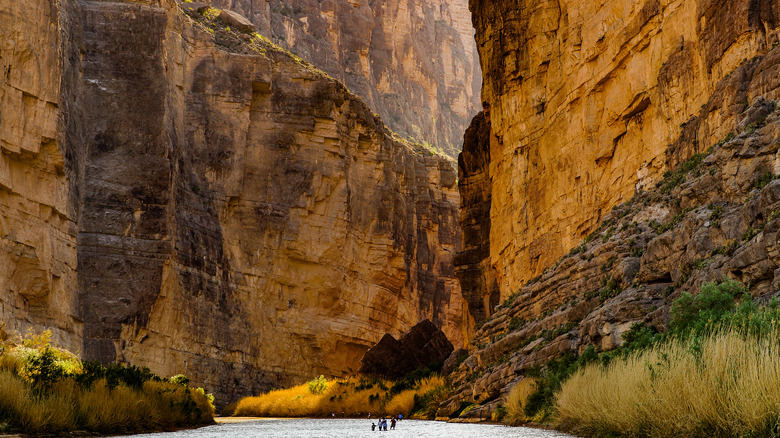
(583, 100)
(414, 62)
(181, 195)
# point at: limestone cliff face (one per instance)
(37, 228)
(196, 201)
(585, 98)
(412, 61)
(719, 219)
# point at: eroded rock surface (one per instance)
(583, 100)
(37, 222)
(413, 62)
(202, 203)
(718, 217)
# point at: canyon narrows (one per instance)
(256, 192)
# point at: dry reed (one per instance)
(349, 397)
(515, 402)
(724, 384)
(66, 406)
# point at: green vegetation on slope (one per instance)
(48, 390)
(714, 372)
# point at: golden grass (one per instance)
(727, 386)
(66, 406)
(401, 403)
(342, 397)
(515, 402)
(44, 389)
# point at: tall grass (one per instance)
(350, 397)
(716, 372)
(726, 384)
(47, 390)
(516, 400)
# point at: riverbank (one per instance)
(46, 390)
(714, 372)
(355, 397)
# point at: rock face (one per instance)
(419, 347)
(38, 257)
(201, 202)
(412, 61)
(477, 277)
(583, 100)
(716, 216)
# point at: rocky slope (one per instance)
(717, 215)
(583, 99)
(412, 61)
(184, 196)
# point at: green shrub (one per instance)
(695, 314)
(675, 177)
(516, 323)
(764, 180)
(318, 385)
(180, 379)
(499, 413)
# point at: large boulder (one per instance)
(236, 21)
(419, 347)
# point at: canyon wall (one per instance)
(413, 61)
(184, 196)
(586, 102)
(715, 216)
(37, 229)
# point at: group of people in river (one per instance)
(383, 422)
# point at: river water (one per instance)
(350, 428)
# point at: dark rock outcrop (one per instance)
(421, 346)
(472, 265)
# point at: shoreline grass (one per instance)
(45, 390)
(349, 397)
(726, 384)
(714, 372)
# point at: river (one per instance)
(350, 428)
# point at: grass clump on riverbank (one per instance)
(716, 372)
(47, 390)
(351, 397)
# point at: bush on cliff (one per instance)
(716, 372)
(44, 389)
